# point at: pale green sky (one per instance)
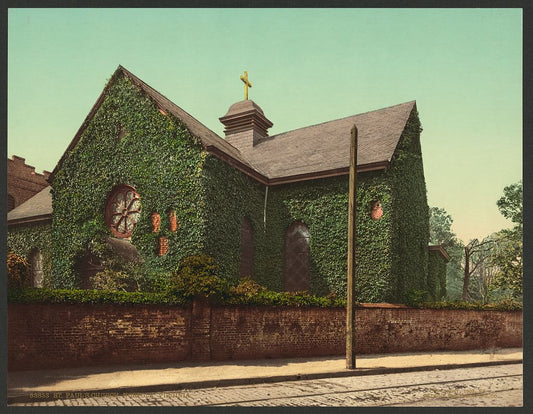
(462, 66)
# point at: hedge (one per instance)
(261, 298)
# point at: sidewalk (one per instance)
(25, 386)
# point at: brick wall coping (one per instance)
(382, 305)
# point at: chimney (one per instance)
(246, 125)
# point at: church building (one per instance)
(145, 181)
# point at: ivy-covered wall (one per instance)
(157, 156)
(230, 196)
(23, 239)
(322, 205)
(391, 253)
(410, 218)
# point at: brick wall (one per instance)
(61, 335)
(22, 180)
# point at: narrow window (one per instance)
(296, 271)
(247, 249)
(36, 261)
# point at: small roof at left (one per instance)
(36, 209)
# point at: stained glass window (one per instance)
(123, 210)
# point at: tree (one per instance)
(440, 232)
(508, 257)
(483, 282)
(440, 227)
(508, 261)
(476, 253)
(510, 205)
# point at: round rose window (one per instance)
(123, 210)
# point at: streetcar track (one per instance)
(308, 395)
(455, 396)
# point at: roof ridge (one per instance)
(343, 118)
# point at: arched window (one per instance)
(10, 202)
(247, 249)
(36, 262)
(296, 270)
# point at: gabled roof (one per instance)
(36, 209)
(210, 140)
(326, 147)
(312, 152)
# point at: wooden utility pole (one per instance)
(352, 220)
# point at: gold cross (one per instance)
(247, 84)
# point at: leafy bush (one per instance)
(196, 276)
(18, 271)
(248, 287)
(157, 282)
(114, 280)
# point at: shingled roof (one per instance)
(311, 152)
(36, 209)
(325, 147)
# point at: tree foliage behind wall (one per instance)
(436, 276)
(440, 233)
(508, 256)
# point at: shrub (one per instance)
(248, 287)
(18, 272)
(197, 276)
(157, 282)
(113, 280)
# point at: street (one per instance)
(499, 385)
